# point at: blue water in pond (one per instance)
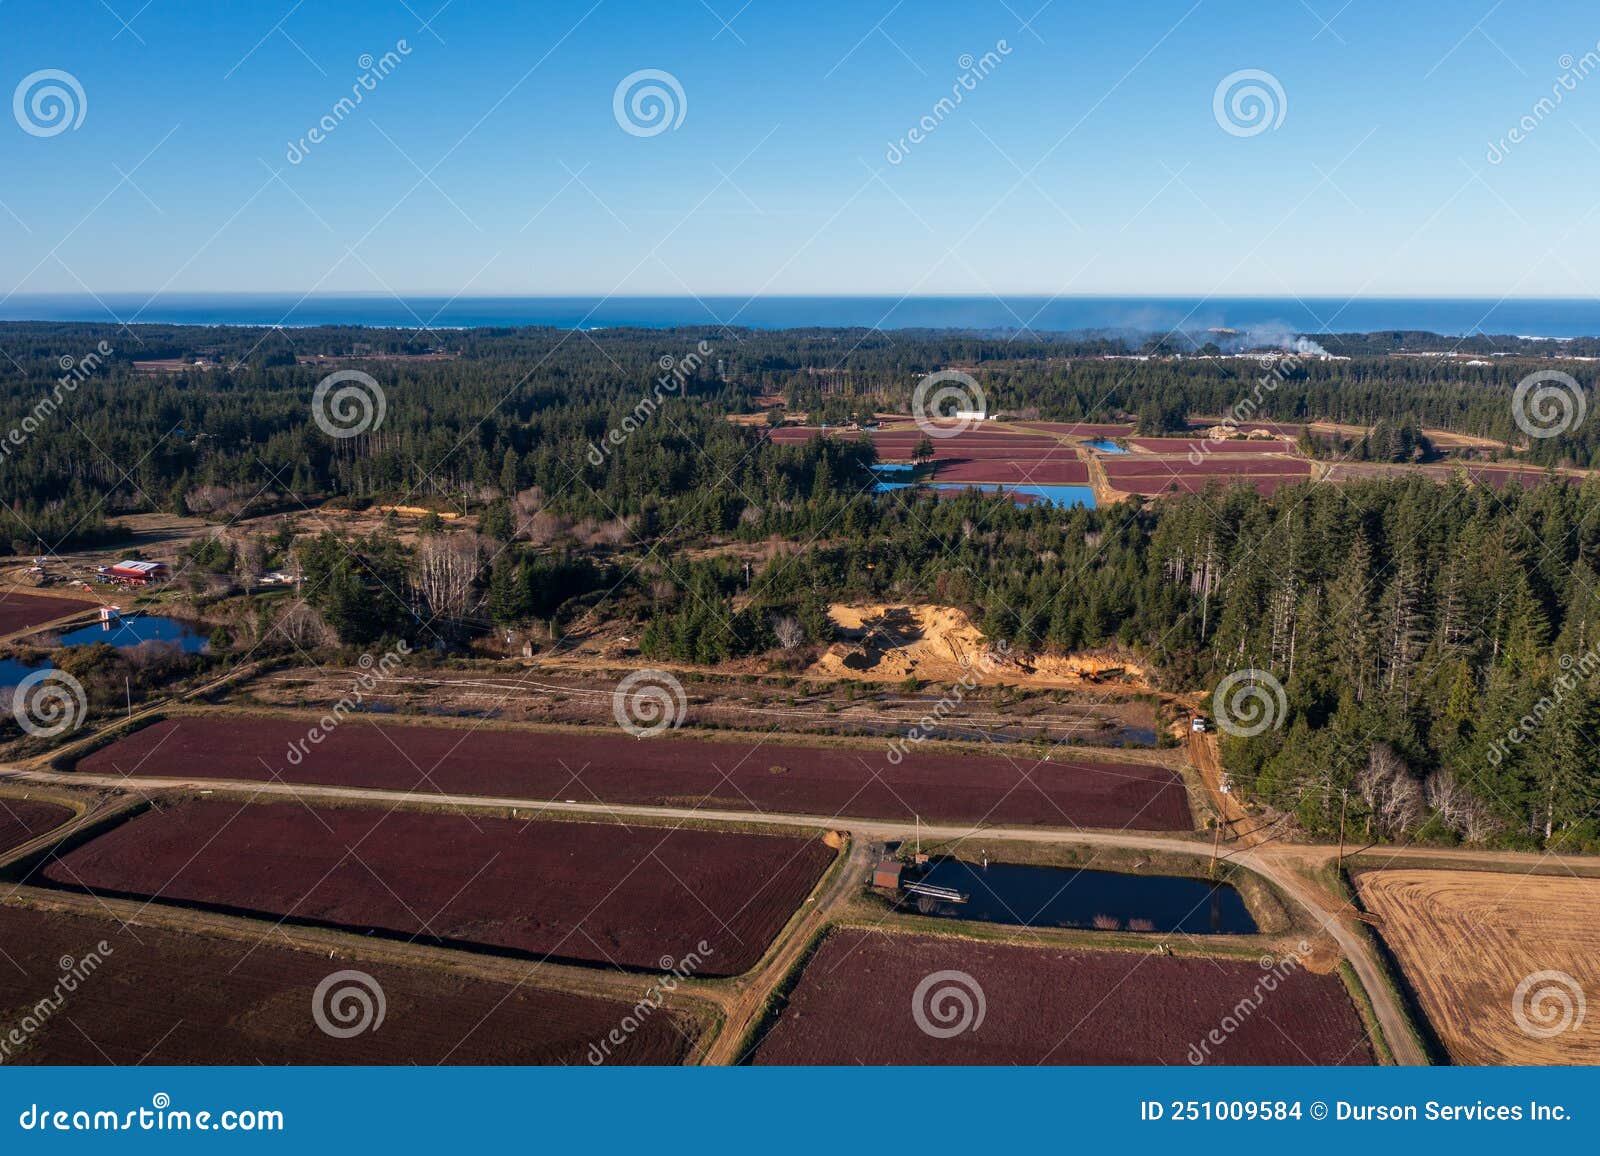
(126, 632)
(122, 634)
(1024, 896)
(1107, 446)
(1054, 495)
(1062, 496)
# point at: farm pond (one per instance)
(121, 633)
(1026, 896)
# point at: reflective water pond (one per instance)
(1024, 896)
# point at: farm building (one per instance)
(887, 875)
(134, 573)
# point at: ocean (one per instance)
(1525, 317)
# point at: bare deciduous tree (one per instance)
(303, 626)
(445, 573)
(789, 631)
(1458, 808)
(1393, 794)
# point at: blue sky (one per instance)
(1088, 160)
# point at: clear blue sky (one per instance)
(1088, 160)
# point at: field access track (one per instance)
(586, 893)
(667, 771)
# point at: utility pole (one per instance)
(1216, 844)
(1343, 803)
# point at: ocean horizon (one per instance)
(1553, 318)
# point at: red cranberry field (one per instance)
(598, 894)
(867, 997)
(164, 997)
(20, 611)
(668, 770)
(24, 819)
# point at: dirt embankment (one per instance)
(890, 643)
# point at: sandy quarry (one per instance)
(890, 642)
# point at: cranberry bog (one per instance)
(584, 893)
(871, 997)
(1152, 476)
(24, 819)
(154, 996)
(22, 611)
(664, 771)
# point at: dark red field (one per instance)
(1195, 483)
(1050, 471)
(20, 611)
(853, 1005)
(574, 892)
(161, 997)
(1133, 467)
(1224, 446)
(1005, 456)
(23, 819)
(664, 771)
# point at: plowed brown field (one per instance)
(1468, 941)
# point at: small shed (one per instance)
(887, 875)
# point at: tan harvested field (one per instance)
(1469, 941)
